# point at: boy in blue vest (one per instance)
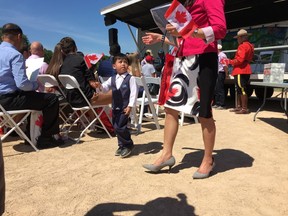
(124, 95)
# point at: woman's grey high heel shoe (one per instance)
(151, 167)
(198, 175)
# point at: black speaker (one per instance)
(113, 36)
(109, 20)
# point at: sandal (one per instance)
(242, 111)
(235, 109)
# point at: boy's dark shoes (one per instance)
(118, 151)
(126, 151)
(59, 141)
(48, 142)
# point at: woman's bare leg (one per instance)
(170, 132)
(208, 133)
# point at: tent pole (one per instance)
(135, 41)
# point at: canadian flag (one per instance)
(92, 59)
(181, 19)
(225, 61)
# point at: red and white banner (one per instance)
(92, 59)
(181, 19)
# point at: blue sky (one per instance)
(49, 21)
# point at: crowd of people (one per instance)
(18, 92)
(120, 88)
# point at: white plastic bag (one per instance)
(36, 123)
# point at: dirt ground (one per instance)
(250, 177)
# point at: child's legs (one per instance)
(120, 122)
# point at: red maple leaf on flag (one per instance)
(181, 17)
(92, 57)
(39, 121)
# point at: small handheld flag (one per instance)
(92, 59)
(226, 61)
(181, 19)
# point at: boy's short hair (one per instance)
(120, 56)
(11, 28)
(68, 45)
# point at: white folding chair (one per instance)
(108, 108)
(146, 99)
(154, 99)
(6, 119)
(69, 82)
(50, 81)
(182, 117)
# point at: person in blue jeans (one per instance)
(124, 95)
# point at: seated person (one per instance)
(17, 92)
(37, 51)
(24, 50)
(54, 69)
(74, 65)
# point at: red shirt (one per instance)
(243, 57)
(205, 13)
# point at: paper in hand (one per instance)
(158, 16)
(160, 20)
(32, 68)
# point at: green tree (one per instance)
(47, 55)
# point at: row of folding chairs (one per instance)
(79, 115)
